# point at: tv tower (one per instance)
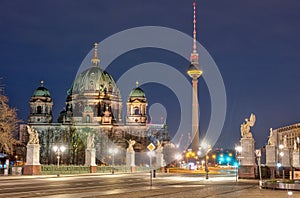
(195, 72)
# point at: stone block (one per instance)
(93, 169)
(133, 169)
(247, 172)
(33, 154)
(32, 170)
(285, 159)
(247, 155)
(130, 158)
(90, 157)
(271, 156)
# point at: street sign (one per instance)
(151, 147)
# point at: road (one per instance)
(133, 185)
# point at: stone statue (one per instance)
(159, 146)
(285, 141)
(33, 135)
(295, 145)
(271, 140)
(130, 145)
(245, 127)
(91, 141)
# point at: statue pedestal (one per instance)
(247, 168)
(32, 166)
(271, 156)
(296, 159)
(133, 169)
(247, 155)
(130, 160)
(90, 155)
(159, 159)
(247, 172)
(93, 169)
(271, 159)
(285, 159)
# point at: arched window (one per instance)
(136, 111)
(39, 110)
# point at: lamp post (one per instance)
(238, 151)
(58, 151)
(178, 158)
(258, 155)
(279, 164)
(214, 157)
(206, 164)
(150, 154)
(199, 155)
(188, 155)
(113, 151)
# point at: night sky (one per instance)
(256, 45)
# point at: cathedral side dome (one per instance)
(137, 92)
(41, 91)
(136, 107)
(41, 105)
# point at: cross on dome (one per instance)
(95, 60)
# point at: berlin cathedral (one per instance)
(93, 106)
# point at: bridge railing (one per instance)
(73, 169)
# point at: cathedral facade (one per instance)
(93, 106)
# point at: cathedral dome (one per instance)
(92, 93)
(94, 79)
(137, 92)
(41, 91)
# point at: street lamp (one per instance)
(238, 151)
(178, 158)
(113, 151)
(58, 151)
(189, 154)
(258, 155)
(214, 157)
(281, 154)
(150, 154)
(206, 158)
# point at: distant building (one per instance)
(93, 105)
(290, 133)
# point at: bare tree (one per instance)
(8, 126)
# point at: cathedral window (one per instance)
(88, 119)
(39, 110)
(136, 111)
